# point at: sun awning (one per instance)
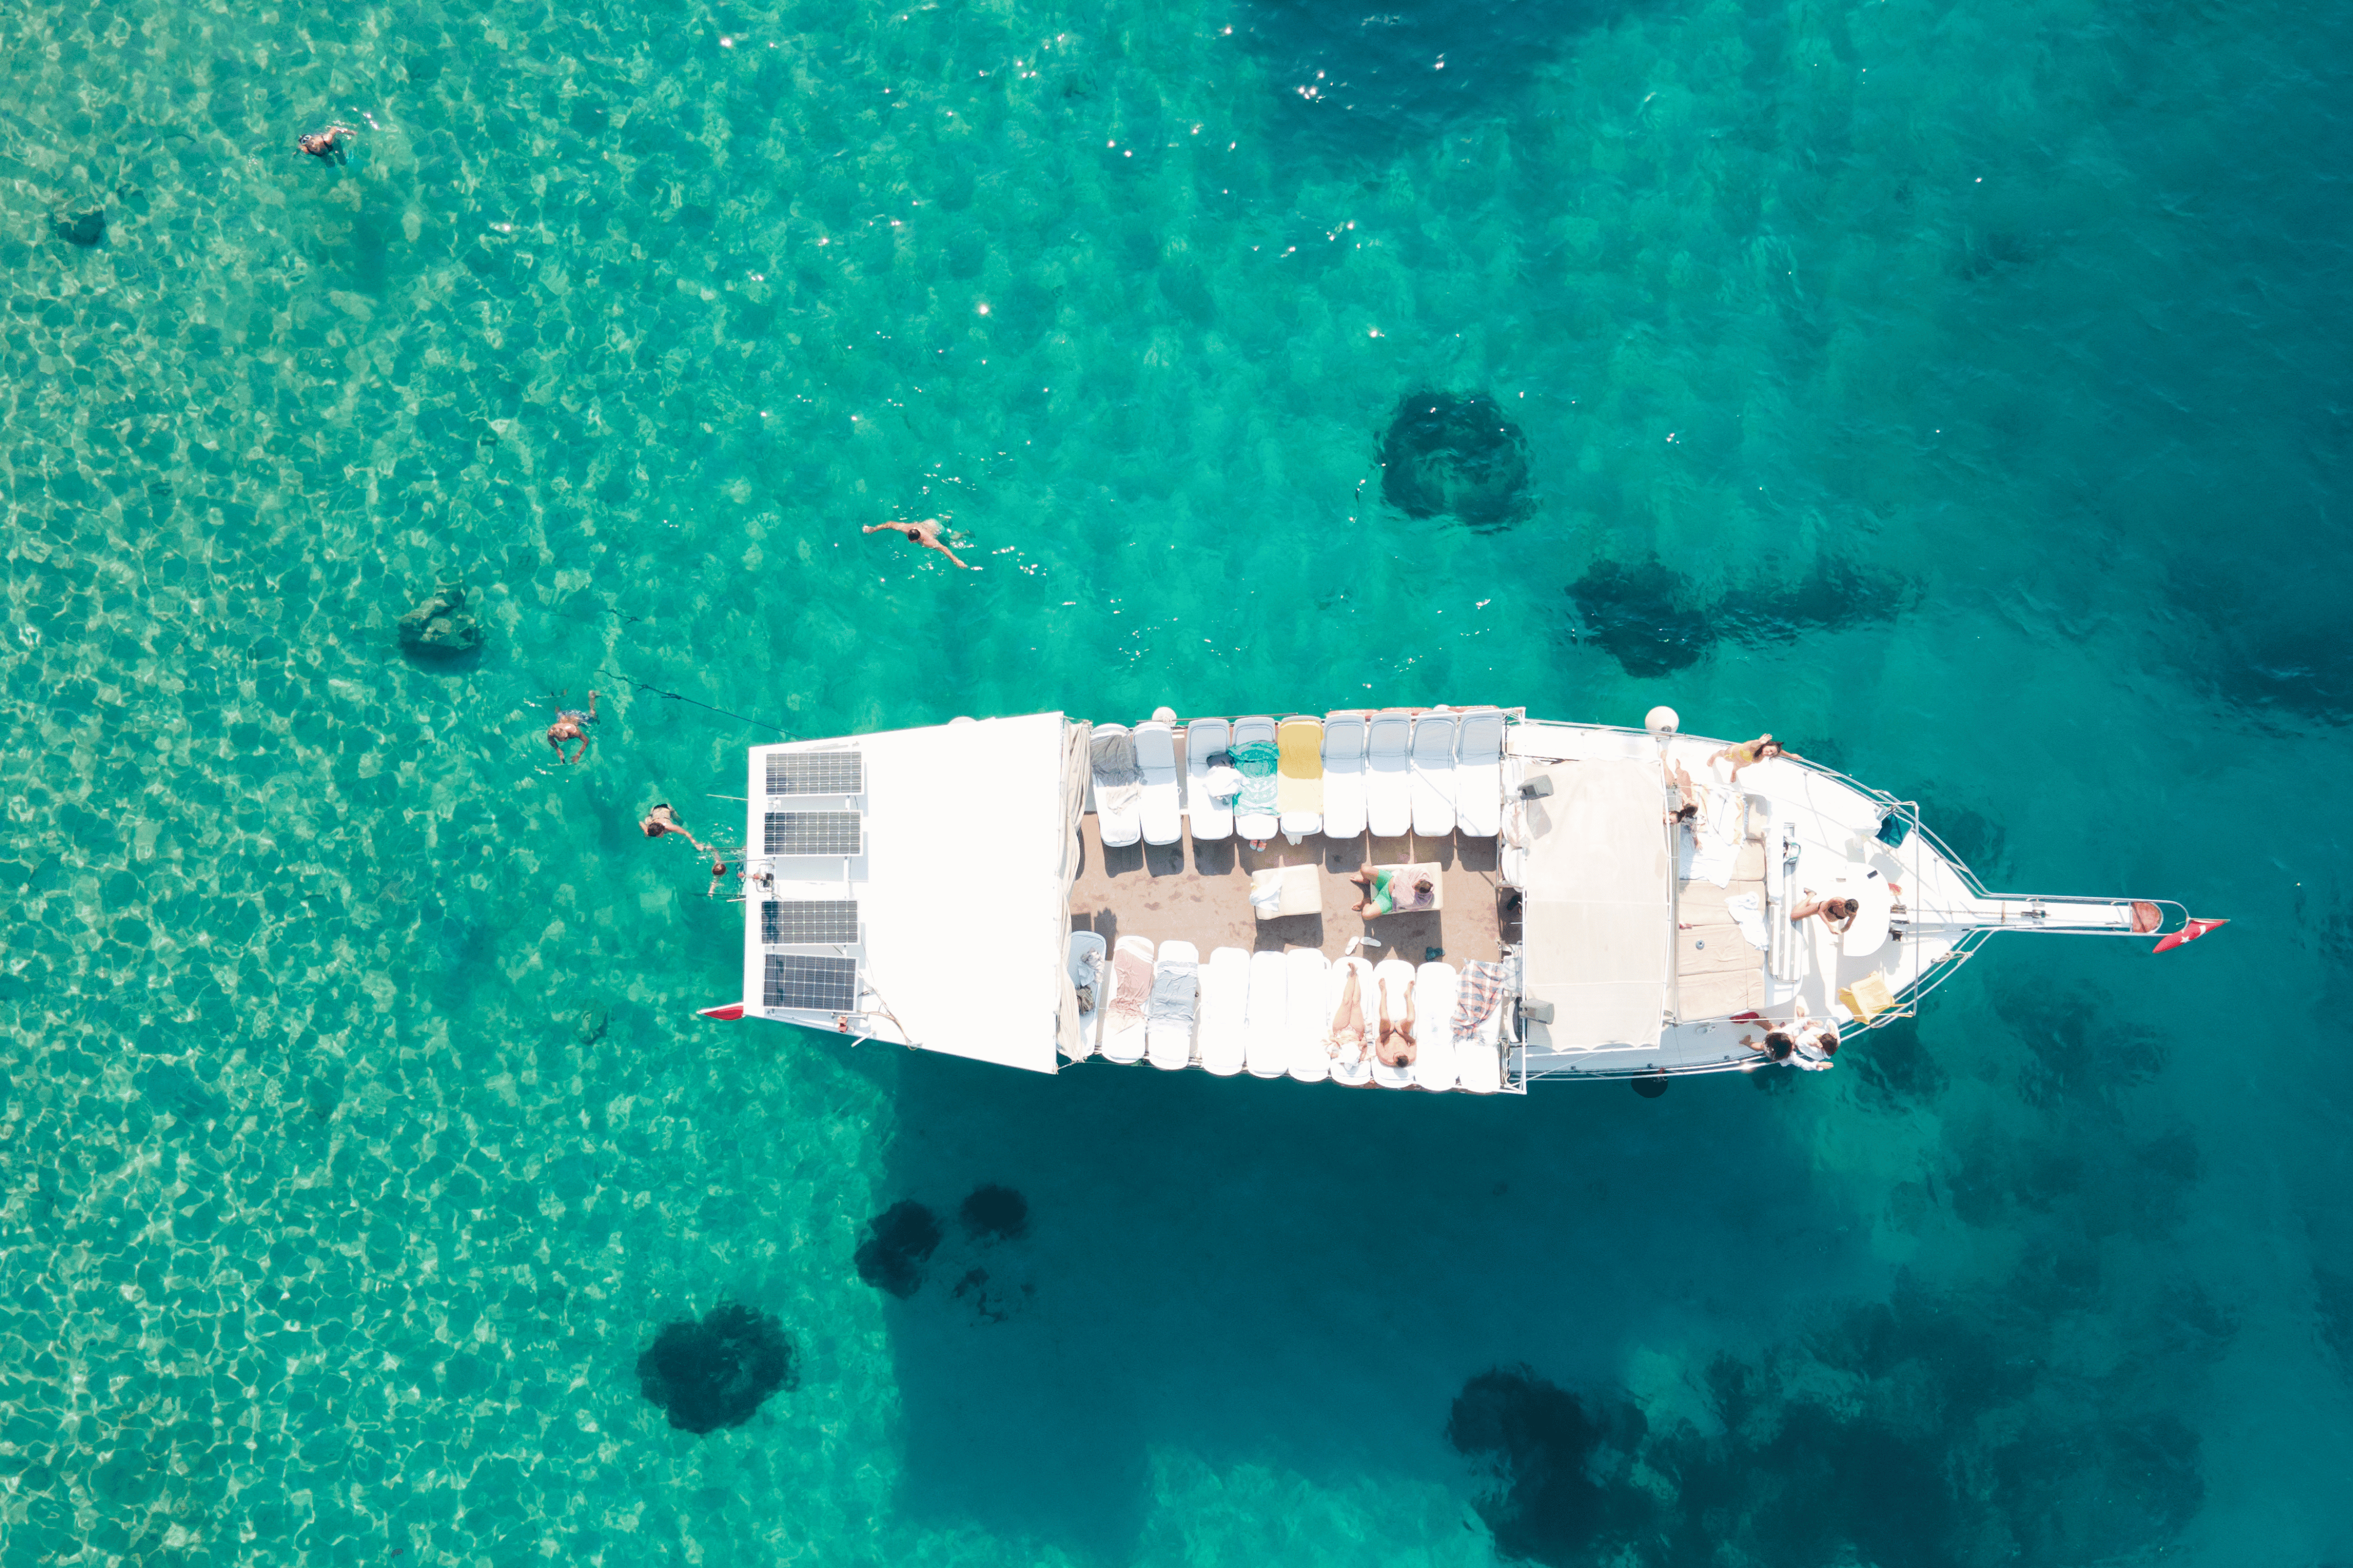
(959, 881)
(1595, 920)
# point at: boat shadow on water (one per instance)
(1290, 1275)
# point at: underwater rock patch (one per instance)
(995, 1212)
(718, 1372)
(439, 628)
(1963, 1438)
(1653, 620)
(1560, 1462)
(1445, 456)
(82, 228)
(904, 1238)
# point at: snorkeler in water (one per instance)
(326, 145)
(568, 728)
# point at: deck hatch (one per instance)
(814, 833)
(817, 772)
(814, 983)
(784, 921)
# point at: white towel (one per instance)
(1707, 858)
(1747, 912)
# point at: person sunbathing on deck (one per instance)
(925, 533)
(1347, 1041)
(1686, 811)
(1748, 753)
(1397, 1048)
(1836, 913)
(1385, 889)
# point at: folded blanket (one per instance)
(1131, 990)
(1119, 783)
(1113, 756)
(1475, 996)
(1747, 912)
(1174, 991)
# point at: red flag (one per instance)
(727, 1015)
(2190, 932)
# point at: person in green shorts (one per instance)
(1385, 889)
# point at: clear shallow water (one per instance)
(1959, 393)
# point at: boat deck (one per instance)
(1199, 892)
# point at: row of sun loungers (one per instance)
(1347, 773)
(1271, 1014)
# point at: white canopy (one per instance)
(961, 890)
(1595, 924)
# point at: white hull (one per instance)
(957, 861)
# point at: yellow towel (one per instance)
(1868, 997)
(1299, 775)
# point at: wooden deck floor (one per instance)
(1201, 893)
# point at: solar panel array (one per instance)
(814, 833)
(808, 921)
(818, 985)
(816, 773)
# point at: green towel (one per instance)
(1256, 759)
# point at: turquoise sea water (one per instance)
(1959, 391)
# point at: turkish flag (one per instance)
(727, 1015)
(2190, 932)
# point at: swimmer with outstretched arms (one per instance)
(925, 533)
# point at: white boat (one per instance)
(922, 887)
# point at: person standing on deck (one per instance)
(925, 533)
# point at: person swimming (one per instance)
(662, 820)
(326, 145)
(925, 533)
(566, 728)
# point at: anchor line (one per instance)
(648, 686)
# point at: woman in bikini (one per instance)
(1348, 1040)
(1836, 913)
(1686, 811)
(1748, 753)
(1397, 1048)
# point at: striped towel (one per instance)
(1475, 996)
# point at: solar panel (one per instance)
(808, 921)
(814, 833)
(816, 773)
(820, 985)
